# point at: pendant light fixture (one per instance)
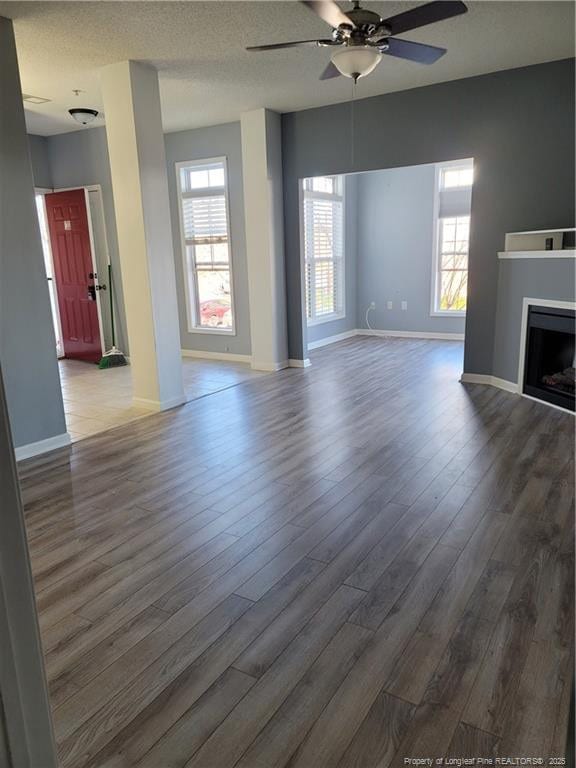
(83, 116)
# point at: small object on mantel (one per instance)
(539, 244)
(536, 239)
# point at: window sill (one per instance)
(449, 313)
(214, 331)
(323, 320)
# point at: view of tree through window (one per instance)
(451, 257)
(454, 262)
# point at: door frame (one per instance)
(98, 189)
(42, 192)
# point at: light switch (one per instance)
(389, 305)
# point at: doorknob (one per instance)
(92, 292)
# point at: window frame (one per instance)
(340, 314)
(190, 281)
(436, 276)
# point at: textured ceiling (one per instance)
(206, 76)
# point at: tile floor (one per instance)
(96, 400)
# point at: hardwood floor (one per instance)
(96, 401)
(338, 567)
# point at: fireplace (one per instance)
(549, 355)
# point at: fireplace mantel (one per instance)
(548, 280)
(560, 254)
(532, 244)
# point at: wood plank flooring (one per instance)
(338, 567)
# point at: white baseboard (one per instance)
(42, 446)
(400, 334)
(493, 381)
(412, 334)
(274, 367)
(332, 339)
(271, 367)
(475, 378)
(159, 405)
(508, 386)
(231, 356)
(255, 364)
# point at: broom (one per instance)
(114, 357)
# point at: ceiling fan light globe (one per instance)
(356, 61)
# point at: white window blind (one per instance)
(323, 234)
(451, 253)
(205, 220)
(206, 244)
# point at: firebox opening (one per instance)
(550, 354)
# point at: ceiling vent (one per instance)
(34, 99)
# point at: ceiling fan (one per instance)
(361, 37)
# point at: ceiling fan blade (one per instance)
(294, 44)
(330, 12)
(423, 15)
(330, 72)
(406, 49)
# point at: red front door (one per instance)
(73, 272)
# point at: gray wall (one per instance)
(533, 278)
(201, 144)
(40, 161)
(395, 249)
(27, 344)
(25, 724)
(42, 171)
(518, 125)
(348, 322)
(506, 121)
(80, 159)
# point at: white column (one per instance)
(27, 344)
(263, 206)
(140, 185)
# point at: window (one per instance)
(323, 241)
(457, 177)
(205, 232)
(453, 277)
(450, 273)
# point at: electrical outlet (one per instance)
(404, 305)
(372, 305)
(389, 305)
